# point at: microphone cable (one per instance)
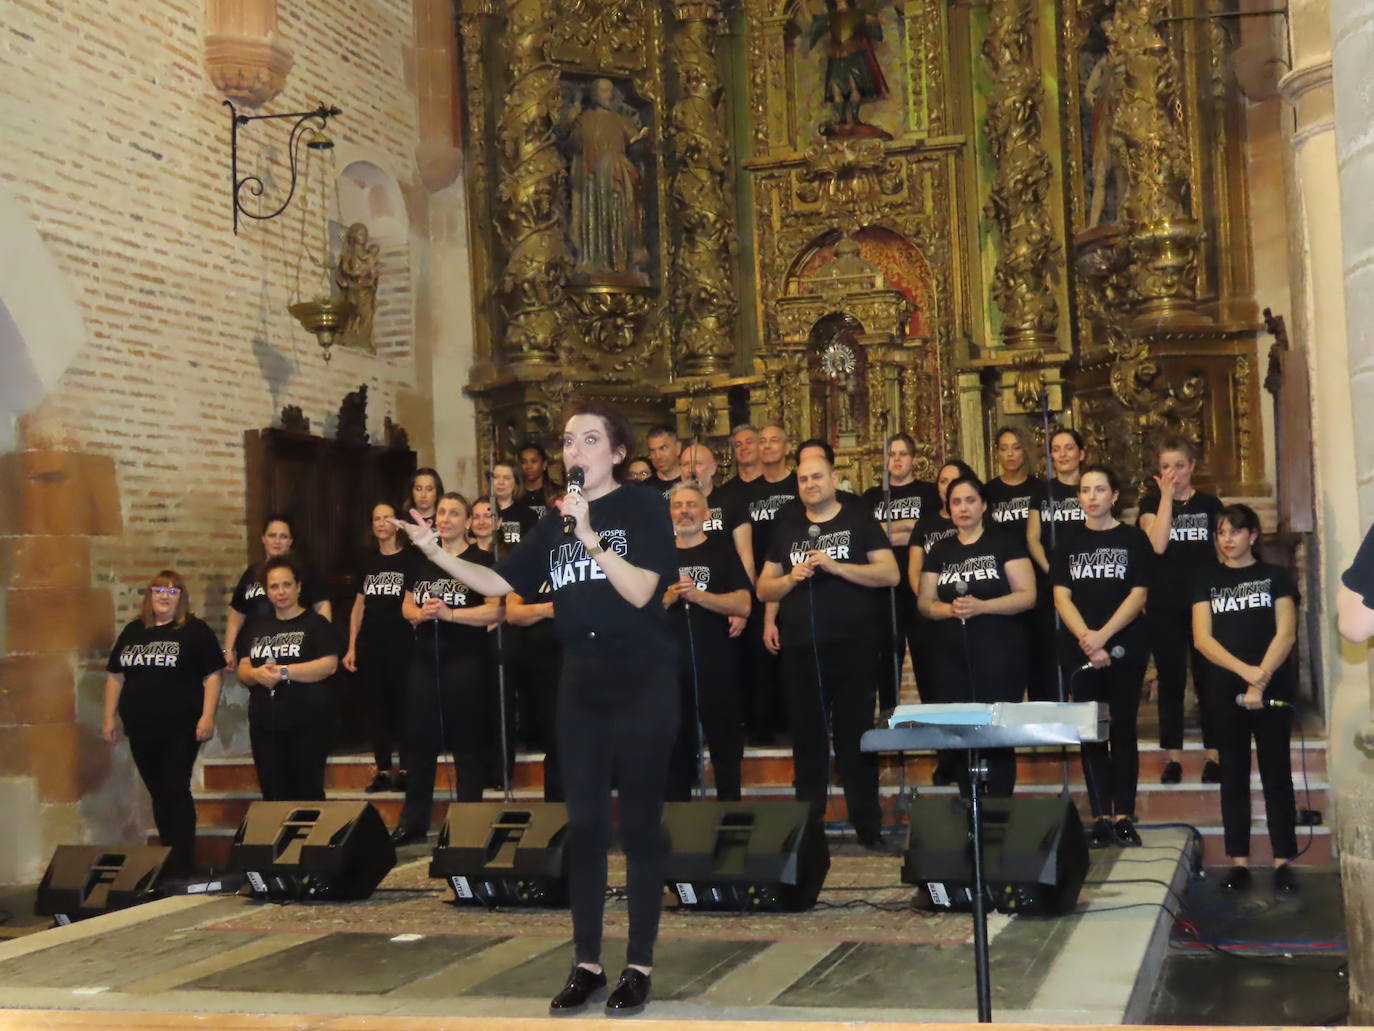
(696, 703)
(813, 533)
(507, 794)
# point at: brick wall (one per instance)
(116, 149)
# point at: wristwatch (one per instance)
(596, 549)
(286, 674)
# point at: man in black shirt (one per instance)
(766, 495)
(744, 443)
(664, 454)
(825, 568)
(711, 591)
(726, 516)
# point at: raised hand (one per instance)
(421, 534)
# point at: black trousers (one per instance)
(765, 701)
(1171, 644)
(1112, 767)
(717, 686)
(289, 735)
(1272, 731)
(1042, 633)
(617, 718)
(894, 650)
(383, 665)
(539, 658)
(165, 762)
(840, 706)
(447, 712)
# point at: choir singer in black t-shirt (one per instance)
(163, 683)
(974, 586)
(825, 567)
(1245, 624)
(711, 588)
(284, 661)
(1100, 574)
(608, 555)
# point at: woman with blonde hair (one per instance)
(163, 685)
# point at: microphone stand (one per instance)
(1054, 543)
(506, 793)
(903, 798)
(977, 775)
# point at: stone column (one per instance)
(1352, 38)
(51, 504)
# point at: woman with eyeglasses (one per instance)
(284, 660)
(162, 684)
(250, 593)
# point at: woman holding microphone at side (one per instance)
(1100, 573)
(974, 585)
(1244, 623)
(617, 695)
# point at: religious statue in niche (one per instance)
(848, 30)
(606, 210)
(356, 277)
(1101, 93)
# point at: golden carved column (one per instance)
(246, 59)
(1147, 139)
(1018, 196)
(703, 296)
(532, 183)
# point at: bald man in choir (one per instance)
(826, 568)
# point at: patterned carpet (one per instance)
(862, 902)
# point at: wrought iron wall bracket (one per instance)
(252, 183)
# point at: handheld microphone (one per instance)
(813, 534)
(961, 589)
(1117, 652)
(1268, 703)
(577, 476)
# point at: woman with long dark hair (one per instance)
(250, 593)
(974, 586)
(379, 641)
(1053, 518)
(450, 690)
(163, 683)
(1245, 618)
(426, 488)
(284, 659)
(617, 696)
(1100, 574)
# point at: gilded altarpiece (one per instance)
(938, 218)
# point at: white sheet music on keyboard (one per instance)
(1080, 715)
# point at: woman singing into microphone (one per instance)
(981, 650)
(1100, 574)
(1245, 622)
(617, 696)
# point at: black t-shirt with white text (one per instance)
(516, 521)
(763, 500)
(1060, 514)
(843, 610)
(537, 500)
(909, 501)
(382, 583)
(1190, 550)
(1010, 507)
(427, 580)
(1242, 603)
(288, 642)
(1101, 568)
(164, 670)
(632, 521)
(714, 567)
(724, 514)
(990, 647)
(661, 485)
(934, 527)
(250, 596)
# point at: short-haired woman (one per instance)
(163, 684)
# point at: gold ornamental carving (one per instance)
(845, 175)
(1028, 251)
(702, 293)
(604, 35)
(532, 184)
(1148, 141)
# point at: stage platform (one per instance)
(864, 955)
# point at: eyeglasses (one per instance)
(165, 592)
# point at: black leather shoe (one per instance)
(1125, 832)
(404, 835)
(1236, 879)
(1211, 772)
(381, 782)
(583, 987)
(630, 995)
(1100, 833)
(1285, 882)
(1173, 773)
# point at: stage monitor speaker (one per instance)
(504, 854)
(87, 880)
(312, 850)
(745, 855)
(1035, 855)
